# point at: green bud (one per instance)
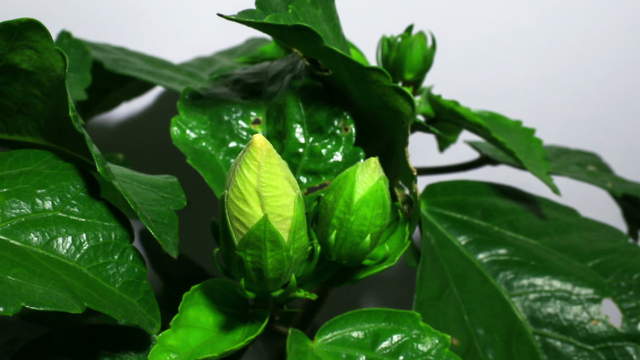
(407, 57)
(354, 212)
(265, 218)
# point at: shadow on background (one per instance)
(145, 141)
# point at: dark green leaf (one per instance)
(313, 134)
(382, 110)
(252, 51)
(507, 134)
(94, 88)
(33, 97)
(514, 276)
(79, 60)
(586, 167)
(35, 109)
(64, 250)
(371, 334)
(318, 15)
(214, 319)
(119, 74)
(145, 67)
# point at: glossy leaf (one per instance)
(35, 110)
(64, 250)
(369, 334)
(312, 133)
(214, 320)
(514, 276)
(586, 167)
(382, 111)
(507, 134)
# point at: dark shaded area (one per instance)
(89, 343)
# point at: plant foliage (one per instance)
(501, 274)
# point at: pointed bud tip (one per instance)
(259, 141)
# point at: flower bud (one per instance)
(265, 219)
(354, 212)
(407, 57)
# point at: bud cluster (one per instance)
(407, 57)
(268, 241)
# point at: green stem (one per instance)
(310, 310)
(447, 169)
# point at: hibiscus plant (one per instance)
(303, 143)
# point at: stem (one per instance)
(310, 310)
(446, 169)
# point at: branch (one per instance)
(446, 169)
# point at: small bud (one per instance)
(265, 218)
(354, 212)
(407, 57)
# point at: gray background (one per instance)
(567, 68)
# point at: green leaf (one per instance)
(369, 334)
(312, 133)
(507, 134)
(252, 51)
(119, 74)
(214, 320)
(79, 60)
(33, 97)
(144, 67)
(382, 110)
(35, 109)
(62, 249)
(586, 167)
(514, 276)
(94, 88)
(318, 15)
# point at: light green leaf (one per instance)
(214, 320)
(35, 110)
(507, 134)
(308, 129)
(514, 276)
(586, 167)
(371, 334)
(64, 250)
(382, 111)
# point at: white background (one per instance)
(567, 68)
